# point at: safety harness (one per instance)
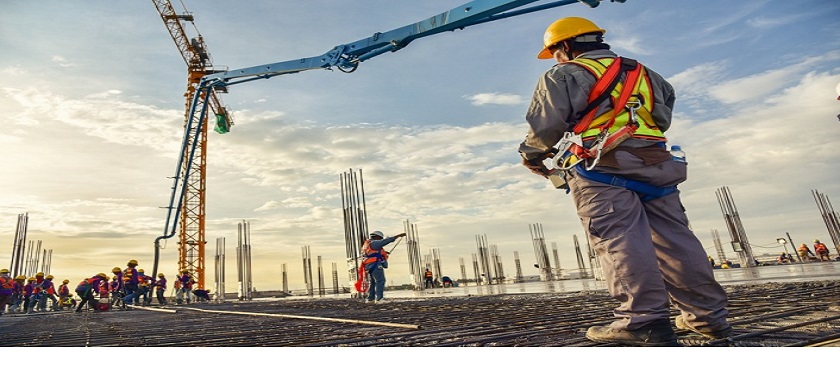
(570, 151)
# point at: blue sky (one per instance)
(92, 109)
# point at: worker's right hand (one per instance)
(401, 234)
(536, 166)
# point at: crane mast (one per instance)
(191, 237)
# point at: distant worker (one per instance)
(782, 259)
(17, 294)
(429, 279)
(87, 290)
(711, 261)
(7, 287)
(117, 289)
(28, 294)
(49, 294)
(185, 284)
(821, 250)
(144, 283)
(131, 281)
(160, 289)
(447, 282)
(805, 253)
(626, 198)
(375, 262)
(63, 294)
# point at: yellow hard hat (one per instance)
(4, 271)
(39, 274)
(132, 262)
(160, 274)
(566, 28)
(65, 281)
(116, 270)
(50, 277)
(31, 279)
(816, 240)
(102, 276)
(20, 278)
(185, 271)
(141, 271)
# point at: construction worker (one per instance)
(144, 284)
(17, 294)
(37, 294)
(117, 288)
(185, 283)
(805, 253)
(131, 280)
(375, 262)
(7, 287)
(821, 251)
(428, 279)
(49, 294)
(63, 293)
(637, 228)
(160, 288)
(87, 290)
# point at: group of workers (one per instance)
(129, 286)
(821, 252)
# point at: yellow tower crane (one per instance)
(192, 241)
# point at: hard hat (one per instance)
(816, 240)
(116, 270)
(39, 274)
(20, 278)
(377, 233)
(160, 274)
(31, 279)
(101, 275)
(185, 271)
(4, 271)
(132, 262)
(566, 28)
(65, 281)
(50, 277)
(141, 271)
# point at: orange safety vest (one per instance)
(373, 255)
(821, 248)
(647, 128)
(6, 282)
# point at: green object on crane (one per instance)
(222, 125)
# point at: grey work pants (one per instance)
(647, 251)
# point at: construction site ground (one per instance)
(765, 314)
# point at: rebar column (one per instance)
(541, 251)
(518, 265)
(740, 243)
(830, 218)
(415, 261)
(581, 263)
(355, 221)
(219, 283)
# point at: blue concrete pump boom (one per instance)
(346, 58)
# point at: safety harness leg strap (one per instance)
(646, 191)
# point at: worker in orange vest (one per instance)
(821, 250)
(7, 287)
(87, 289)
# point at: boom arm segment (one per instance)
(347, 57)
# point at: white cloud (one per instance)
(495, 98)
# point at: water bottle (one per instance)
(677, 153)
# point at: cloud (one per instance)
(495, 98)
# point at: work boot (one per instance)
(708, 333)
(655, 334)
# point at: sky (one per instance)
(92, 110)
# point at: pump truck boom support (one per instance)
(346, 58)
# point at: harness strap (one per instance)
(645, 191)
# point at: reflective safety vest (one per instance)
(647, 128)
(820, 248)
(63, 290)
(373, 255)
